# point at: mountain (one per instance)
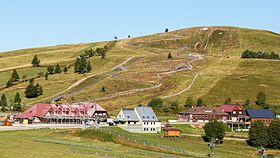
(206, 63)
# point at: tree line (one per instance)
(260, 54)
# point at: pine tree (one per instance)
(261, 99)
(35, 61)
(199, 102)
(40, 90)
(46, 76)
(174, 106)
(189, 102)
(77, 65)
(169, 56)
(3, 103)
(57, 69)
(15, 75)
(50, 70)
(65, 70)
(103, 89)
(89, 68)
(247, 102)
(228, 100)
(17, 102)
(9, 83)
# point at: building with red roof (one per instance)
(235, 112)
(63, 113)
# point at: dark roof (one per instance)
(260, 113)
(204, 111)
(146, 114)
(130, 114)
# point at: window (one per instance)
(240, 112)
(234, 112)
(147, 116)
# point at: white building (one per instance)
(139, 119)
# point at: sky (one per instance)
(33, 23)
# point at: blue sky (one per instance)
(33, 23)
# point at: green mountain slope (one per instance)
(137, 69)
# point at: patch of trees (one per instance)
(265, 136)
(16, 104)
(33, 91)
(190, 102)
(99, 51)
(82, 65)
(260, 54)
(214, 130)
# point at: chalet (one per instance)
(265, 115)
(235, 112)
(62, 113)
(139, 119)
(202, 114)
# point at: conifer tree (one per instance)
(50, 70)
(35, 61)
(9, 83)
(15, 75)
(169, 56)
(46, 76)
(65, 70)
(17, 102)
(3, 103)
(89, 68)
(57, 69)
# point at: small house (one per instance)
(265, 115)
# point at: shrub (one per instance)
(214, 129)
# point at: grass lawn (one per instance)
(62, 143)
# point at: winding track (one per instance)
(123, 93)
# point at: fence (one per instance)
(143, 141)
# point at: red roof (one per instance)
(230, 108)
(38, 110)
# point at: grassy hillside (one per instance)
(147, 73)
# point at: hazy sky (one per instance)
(33, 23)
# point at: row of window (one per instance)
(151, 129)
(151, 123)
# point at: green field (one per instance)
(73, 143)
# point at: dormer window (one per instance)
(147, 116)
(143, 117)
